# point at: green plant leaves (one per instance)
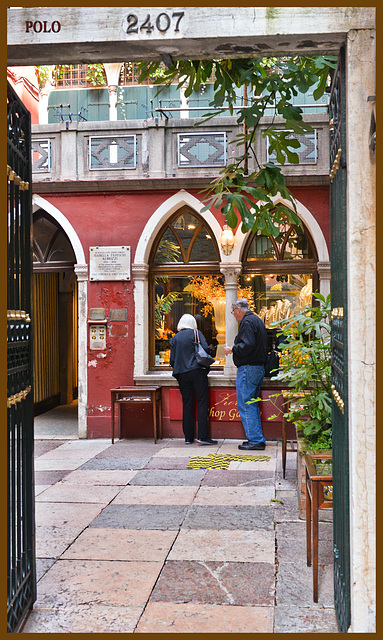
(272, 81)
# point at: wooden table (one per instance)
(138, 394)
(318, 496)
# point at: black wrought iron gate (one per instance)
(338, 196)
(21, 573)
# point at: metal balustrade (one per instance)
(41, 155)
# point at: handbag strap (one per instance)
(196, 336)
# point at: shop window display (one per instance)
(185, 249)
(282, 273)
(279, 275)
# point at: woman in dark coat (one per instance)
(191, 379)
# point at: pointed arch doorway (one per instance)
(55, 313)
(59, 263)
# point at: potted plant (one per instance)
(305, 370)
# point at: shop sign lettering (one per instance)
(161, 22)
(39, 26)
(226, 408)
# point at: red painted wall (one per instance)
(223, 416)
(119, 219)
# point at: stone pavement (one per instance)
(132, 540)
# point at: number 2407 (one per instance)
(162, 22)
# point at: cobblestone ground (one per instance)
(132, 539)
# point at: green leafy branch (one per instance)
(273, 82)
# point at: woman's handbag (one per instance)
(203, 358)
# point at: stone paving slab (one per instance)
(295, 586)
(97, 477)
(288, 510)
(156, 495)
(61, 464)
(64, 451)
(234, 583)
(110, 464)
(43, 446)
(128, 451)
(168, 463)
(234, 496)
(61, 492)
(40, 488)
(72, 583)
(155, 477)
(287, 484)
(229, 478)
(57, 515)
(121, 544)
(162, 617)
(42, 566)
(222, 517)
(294, 619)
(50, 477)
(187, 451)
(86, 618)
(291, 540)
(252, 465)
(140, 516)
(52, 541)
(87, 444)
(231, 446)
(225, 545)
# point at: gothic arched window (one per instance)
(281, 271)
(184, 278)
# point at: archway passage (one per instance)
(55, 315)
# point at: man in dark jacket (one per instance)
(249, 356)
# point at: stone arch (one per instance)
(307, 217)
(40, 203)
(81, 272)
(162, 214)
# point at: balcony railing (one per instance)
(41, 155)
(112, 152)
(161, 148)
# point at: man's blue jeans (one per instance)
(249, 380)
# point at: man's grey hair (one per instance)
(187, 321)
(242, 304)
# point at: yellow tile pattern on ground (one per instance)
(222, 461)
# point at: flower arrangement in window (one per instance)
(208, 288)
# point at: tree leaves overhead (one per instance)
(272, 82)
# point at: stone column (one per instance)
(324, 270)
(112, 88)
(81, 271)
(43, 102)
(112, 71)
(65, 303)
(361, 278)
(156, 144)
(230, 273)
(141, 336)
(184, 103)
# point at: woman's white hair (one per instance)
(187, 321)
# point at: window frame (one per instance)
(177, 269)
(283, 267)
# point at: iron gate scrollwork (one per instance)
(21, 572)
(339, 317)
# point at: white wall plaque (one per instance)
(109, 263)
